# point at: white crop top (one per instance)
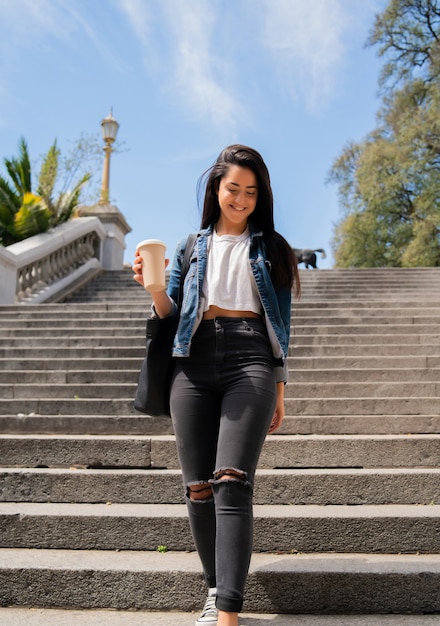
(229, 282)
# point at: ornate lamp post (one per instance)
(113, 245)
(109, 132)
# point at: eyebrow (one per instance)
(230, 182)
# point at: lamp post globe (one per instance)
(109, 128)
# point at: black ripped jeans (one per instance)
(223, 398)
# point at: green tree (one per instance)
(389, 184)
(62, 206)
(24, 212)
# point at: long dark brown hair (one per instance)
(284, 269)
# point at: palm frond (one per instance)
(67, 202)
(32, 218)
(19, 170)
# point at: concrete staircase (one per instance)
(347, 513)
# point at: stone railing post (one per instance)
(8, 277)
(116, 228)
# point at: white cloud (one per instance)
(177, 40)
(306, 42)
(204, 55)
(200, 76)
(186, 45)
(139, 18)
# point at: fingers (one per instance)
(274, 423)
(137, 269)
(277, 418)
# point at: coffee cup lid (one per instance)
(146, 242)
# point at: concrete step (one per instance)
(75, 377)
(380, 326)
(360, 375)
(71, 390)
(416, 306)
(353, 424)
(347, 583)
(387, 529)
(307, 308)
(66, 318)
(339, 325)
(351, 350)
(88, 424)
(352, 389)
(360, 406)
(302, 314)
(360, 361)
(74, 352)
(101, 317)
(326, 486)
(56, 617)
(139, 424)
(311, 313)
(279, 451)
(73, 341)
(138, 351)
(67, 407)
(364, 339)
(118, 389)
(136, 338)
(124, 376)
(419, 305)
(299, 406)
(24, 334)
(72, 363)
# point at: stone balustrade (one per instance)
(35, 269)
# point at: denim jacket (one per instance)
(276, 302)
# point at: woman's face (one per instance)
(237, 197)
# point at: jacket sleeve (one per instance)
(175, 273)
(284, 298)
(174, 279)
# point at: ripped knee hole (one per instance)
(200, 492)
(227, 474)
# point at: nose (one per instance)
(240, 198)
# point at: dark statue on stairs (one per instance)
(308, 257)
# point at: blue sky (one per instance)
(291, 78)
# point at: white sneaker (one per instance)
(209, 614)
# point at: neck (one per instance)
(222, 228)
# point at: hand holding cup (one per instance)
(149, 265)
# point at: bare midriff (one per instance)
(216, 311)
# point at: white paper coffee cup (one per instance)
(152, 252)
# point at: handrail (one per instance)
(34, 269)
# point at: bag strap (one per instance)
(190, 242)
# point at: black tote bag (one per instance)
(153, 390)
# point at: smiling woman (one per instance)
(227, 389)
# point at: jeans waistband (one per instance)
(254, 322)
